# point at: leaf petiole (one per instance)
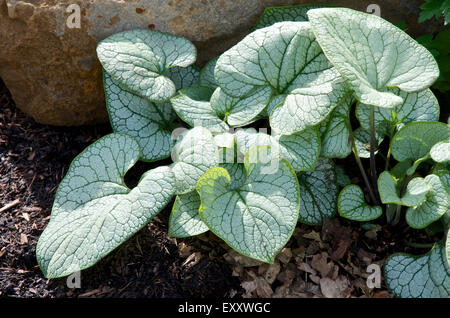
(360, 165)
(373, 167)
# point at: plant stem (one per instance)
(361, 167)
(391, 210)
(388, 156)
(396, 219)
(373, 166)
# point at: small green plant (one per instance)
(436, 9)
(302, 74)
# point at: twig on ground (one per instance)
(10, 205)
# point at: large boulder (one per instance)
(52, 70)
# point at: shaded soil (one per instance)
(318, 261)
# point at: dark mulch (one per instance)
(329, 260)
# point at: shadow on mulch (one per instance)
(33, 160)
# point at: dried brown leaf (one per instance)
(272, 272)
(285, 255)
(313, 235)
(319, 263)
(263, 288)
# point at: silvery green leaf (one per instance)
(149, 123)
(194, 153)
(352, 205)
(300, 149)
(400, 168)
(239, 111)
(372, 54)
(274, 102)
(286, 58)
(440, 152)
(94, 211)
(335, 132)
(183, 77)
(424, 276)
(447, 247)
(342, 178)
(362, 142)
(387, 187)
(416, 164)
(420, 106)
(415, 194)
(206, 77)
(139, 60)
(319, 193)
(286, 13)
(193, 107)
(237, 173)
(185, 220)
(308, 106)
(414, 141)
(257, 219)
(435, 205)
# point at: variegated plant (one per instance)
(298, 74)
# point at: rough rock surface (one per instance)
(52, 70)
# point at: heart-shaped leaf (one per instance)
(185, 220)
(424, 276)
(193, 106)
(420, 106)
(258, 218)
(440, 152)
(94, 211)
(335, 131)
(319, 193)
(351, 205)
(139, 59)
(194, 153)
(149, 123)
(286, 13)
(240, 111)
(372, 55)
(435, 205)
(415, 194)
(300, 149)
(206, 77)
(414, 141)
(285, 58)
(307, 107)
